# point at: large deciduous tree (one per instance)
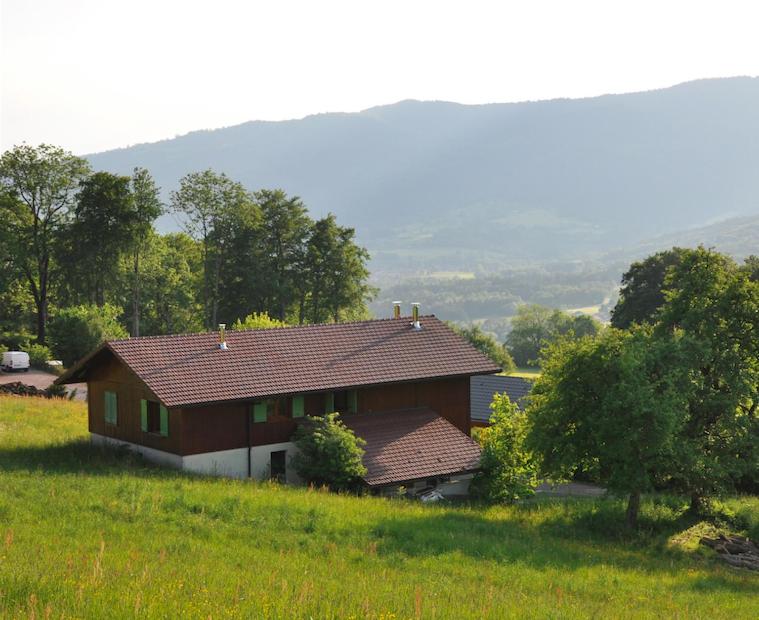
(147, 207)
(716, 305)
(614, 404)
(39, 185)
(285, 228)
(102, 232)
(209, 201)
(534, 326)
(642, 292)
(335, 283)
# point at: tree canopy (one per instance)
(613, 404)
(78, 238)
(486, 344)
(535, 326)
(642, 291)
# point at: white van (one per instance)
(15, 360)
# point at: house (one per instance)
(484, 387)
(228, 403)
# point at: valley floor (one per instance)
(89, 533)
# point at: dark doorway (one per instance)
(279, 465)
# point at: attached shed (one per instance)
(482, 388)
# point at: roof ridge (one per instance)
(268, 329)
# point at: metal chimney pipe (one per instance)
(415, 315)
(222, 336)
(397, 309)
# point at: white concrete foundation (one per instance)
(228, 463)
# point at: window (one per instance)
(298, 407)
(154, 418)
(278, 465)
(263, 410)
(111, 408)
(345, 401)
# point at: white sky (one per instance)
(91, 75)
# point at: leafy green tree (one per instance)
(257, 320)
(531, 327)
(102, 232)
(285, 228)
(508, 468)
(329, 453)
(715, 305)
(643, 286)
(209, 200)
(615, 404)
(335, 284)
(487, 345)
(148, 208)
(77, 330)
(38, 187)
(242, 289)
(535, 326)
(171, 276)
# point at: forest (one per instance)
(80, 251)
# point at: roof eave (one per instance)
(394, 483)
(330, 389)
(69, 376)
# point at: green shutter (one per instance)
(164, 421)
(111, 408)
(144, 415)
(298, 408)
(352, 401)
(259, 412)
(329, 402)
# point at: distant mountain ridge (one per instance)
(436, 185)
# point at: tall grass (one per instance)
(92, 533)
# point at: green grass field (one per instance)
(88, 533)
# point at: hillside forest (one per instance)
(79, 248)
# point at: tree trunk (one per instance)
(697, 504)
(41, 321)
(136, 296)
(633, 508)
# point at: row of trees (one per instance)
(72, 237)
(667, 399)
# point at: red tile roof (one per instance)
(412, 444)
(191, 369)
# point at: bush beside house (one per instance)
(329, 453)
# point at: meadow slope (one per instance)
(89, 533)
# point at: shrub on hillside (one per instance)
(77, 330)
(508, 470)
(329, 453)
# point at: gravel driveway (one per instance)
(41, 379)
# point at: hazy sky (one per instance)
(91, 75)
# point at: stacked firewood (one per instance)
(737, 551)
(19, 389)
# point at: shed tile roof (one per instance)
(191, 369)
(412, 444)
(483, 388)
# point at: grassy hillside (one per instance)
(94, 534)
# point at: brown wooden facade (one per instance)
(212, 428)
